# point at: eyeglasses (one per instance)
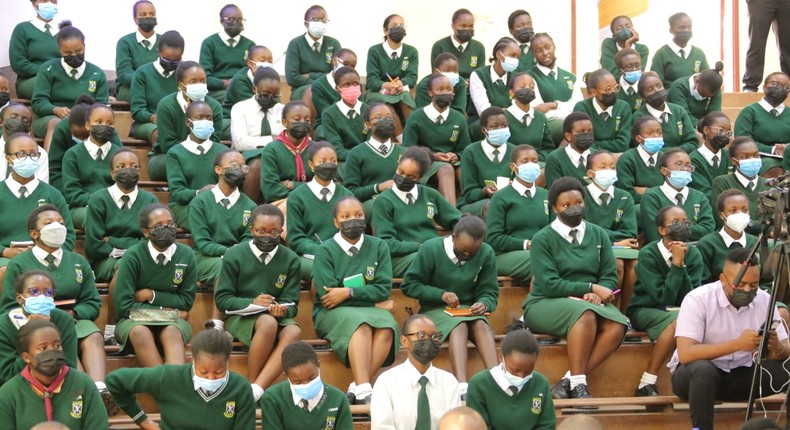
(234, 20)
(771, 84)
(718, 130)
(158, 228)
(376, 119)
(632, 67)
(686, 167)
(21, 155)
(324, 20)
(35, 292)
(271, 233)
(609, 90)
(244, 168)
(421, 335)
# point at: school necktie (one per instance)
(630, 91)
(146, 44)
(160, 259)
(22, 192)
(528, 194)
(664, 118)
(409, 198)
(526, 119)
(552, 75)
(513, 390)
(651, 162)
(500, 83)
(460, 49)
(496, 156)
(604, 199)
(50, 259)
(303, 404)
(231, 43)
(750, 186)
(775, 112)
(266, 129)
(73, 73)
(394, 56)
(573, 233)
(353, 250)
(316, 47)
(423, 406)
(351, 114)
(99, 155)
(439, 120)
(581, 162)
(523, 48)
(735, 245)
(48, 29)
(263, 256)
(715, 161)
(682, 54)
(125, 202)
(201, 150)
(383, 149)
(605, 116)
(225, 203)
(324, 194)
(669, 261)
(679, 199)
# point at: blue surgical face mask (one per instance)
(453, 77)
(509, 64)
(653, 144)
(679, 178)
(515, 380)
(309, 390)
(202, 128)
(196, 92)
(47, 11)
(39, 305)
(750, 167)
(498, 136)
(632, 77)
(26, 167)
(209, 385)
(529, 172)
(605, 178)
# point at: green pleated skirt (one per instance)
(337, 325)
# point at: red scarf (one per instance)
(46, 391)
(297, 150)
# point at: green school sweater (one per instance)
(527, 59)
(450, 136)
(173, 283)
(513, 218)
(332, 411)
(764, 128)
(380, 64)
(697, 207)
(680, 94)
(30, 47)
(148, 88)
(433, 273)
(609, 49)
(366, 167)
(215, 229)
(14, 225)
(323, 96)
(341, 132)
(658, 284)
(181, 406)
(618, 218)
(537, 133)
(558, 164)
(310, 220)
(239, 89)
(171, 123)
(474, 54)
(704, 173)
(332, 265)
(78, 405)
(498, 94)
(614, 134)
(83, 175)
(532, 408)
(11, 362)
(479, 168)
(460, 91)
(405, 228)
(729, 181)
(106, 220)
(300, 58)
(633, 172)
(131, 55)
(220, 61)
(559, 89)
(62, 140)
(188, 172)
(678, 131)
(714, 254)
(73, 280)
(244, 277)
(669, 66)
(278, 164)
(55, 88)
(633, 100)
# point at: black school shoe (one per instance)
(351, 397)
(581, 392)
(561, 389)
(362, 401)
(109, 403)
(648, 390)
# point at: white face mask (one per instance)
(316, 29)
(515, 380)
(53, 234)
(738, 221)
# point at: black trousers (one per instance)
(763, 15)
(701, 383)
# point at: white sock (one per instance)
(109, 331)
(352, 388)
(219, 324)
(647, 379)
(257, 391)
(577, 380)
(567, 375)
(462, 387)
(363, 390)
(100, 385)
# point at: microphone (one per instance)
(772, 182)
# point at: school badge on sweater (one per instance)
(230, 409)
(76, 408)
(537, 404)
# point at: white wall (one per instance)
(357, 24)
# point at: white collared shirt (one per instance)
(219, 195)
(488, 150)
(596, 192)
(574, 156)
(311, 42)
(477, 89)
(655, 113)
(625, 85)
(394, 401)
(346, 245)
(666, 254)
(80, 70)
(599, 110)
(521, 189)
(311, 403)
(245, 124)
(676, 48)
(458, 43)
(316, 188)
(39, 24)
(448, 250)
(344, 109)
(729, 240)
(645, 156)
(498, 373)
(93, 149)
(40, 255)
(402, 194)
(42, 173)
(519, 113)
(192, 146)
(767, 106)
(707, 154)
(565, 230)
(330, 78)
(225, 37)
(116, 195)
(14, 186)
(563, 108)
(431, 112)
(389, 50)
(375, 145)
(152, 40)
(182, 101)
(162, 71)
(672, 193)
(744, 180)
(257, 252)
(168, 253)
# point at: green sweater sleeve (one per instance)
(17, 54)
(63, 209)
(648, 209)
(448, 214)
(373, 80)
(380, 288)
(138, 103)
(495, 227)
(166, 121)
(410, 77)
(676, 94)
(547, 277)
(226, 297)
(184, 296)
(89, 301)
(96, 229)
(628, 227)
(124, 69)
(179, 187)
(487, 290)
(705, 224)
(352, 178)
(293, 65)
(125, 383)
(73, 190)
(416, 282)
(476, 398)
(324, 275)
(552, 169)
(746, 124)
(689, 141)
(384, 226)
(290, 293)
(332, 135)
(411, 131)
(207, 61)
(271, 188)
(201, 230)
(298, 235)
(608, 51)
(95, 416)
(41, 103)
(470, 178)
(125, 285)
(658, 62)
(68, 335)
(670, 289)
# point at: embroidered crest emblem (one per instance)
(638, 104)
(330, 423)
(697, 65)
(92, 86)
(42, 202)
(537, 405)
(329, 54)
(404, 65)
(431, 211)
(696, 212)
(473, 61)
(546, 207)
(78, 273)
(76, 408)
(617, 123)
(370, 273)
(455, 134)
(280, 280)
(230, 409)
(570, 84)
(680, 128)
(178, 277)
(245, 220)
(618, 216)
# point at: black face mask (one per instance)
(525, 34)
(267, 101)
(102, 133)
(657, 99)
(265, 243)
(234, 29)
(325, 171)
(741, 298)
(623, 35)
(146, 24)
(397, 34)
(678, 232)
(443, 100)
(775, 95)
(74, 61)
(127, 178)
(572, 216)
(464, 35)
(525, 95)
(609, 99)
(403, 183)
(682, 37)
(162, 236)
(168, 66)
(234, 176)
(299, 130)
(15, 125)
(460, 255)
(353, 228)
(384, 128)
(425, 350)
(5, 97)
(719, 141)
(584, 140)
(50, 362)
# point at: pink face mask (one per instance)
(351, 94)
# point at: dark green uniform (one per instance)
(366, 167)
(477, 169)
(472, 57)
(680, 94)
(730, 181)
(83, 175)
(220, 60)
(558, 89)
(130, 55)
(187, 173)
(609, 49)
(669, 66)
(323, 95)
(497, 92)
(679, 129)
(451, 135)
(537, 133)
(380, 64)
(705, 174)
(301, 58)
(28, 49)
(696, 205)
(342, 132)
(633, 172)
(147, 89)
(613, 133)
(766, 129)
(532, 408)
(633, 99)
(459, 90)
(617, 217)
(558, 164)
(332, 411)
(714, 253)
(62, 140)
(278, 164)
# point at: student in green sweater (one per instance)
(678, 128)
(469, 53)
(241, 85)
(111, 227)
(678, 58)
(486, 164)
(629, 65)
(154, 292)
(513, 395)
(223, 54)
(309, 56)
(519, 24)
(699, 94)
(624, 36)
(668, 269)
(575, 275)
(136, 49)
(62, 80)
(204, 394)
(528, 126)
(402, 226)
(637, 168)
(343, 123)
(259, 288)
(446, 64)
(745, 158)
(191, 164)
(18, 118)
(171, 116)
(488, 85)
(392, 71)
(458, 273)
(352, 276)
(322, 91)
(516, 213)
(712, 159)
(676, 167)
(768, 123)
(152, 82)
(304, 400)
(86, 167)
(32, 44)
(611, 117)
(48, 389)
(310, 207)
(572, 160)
